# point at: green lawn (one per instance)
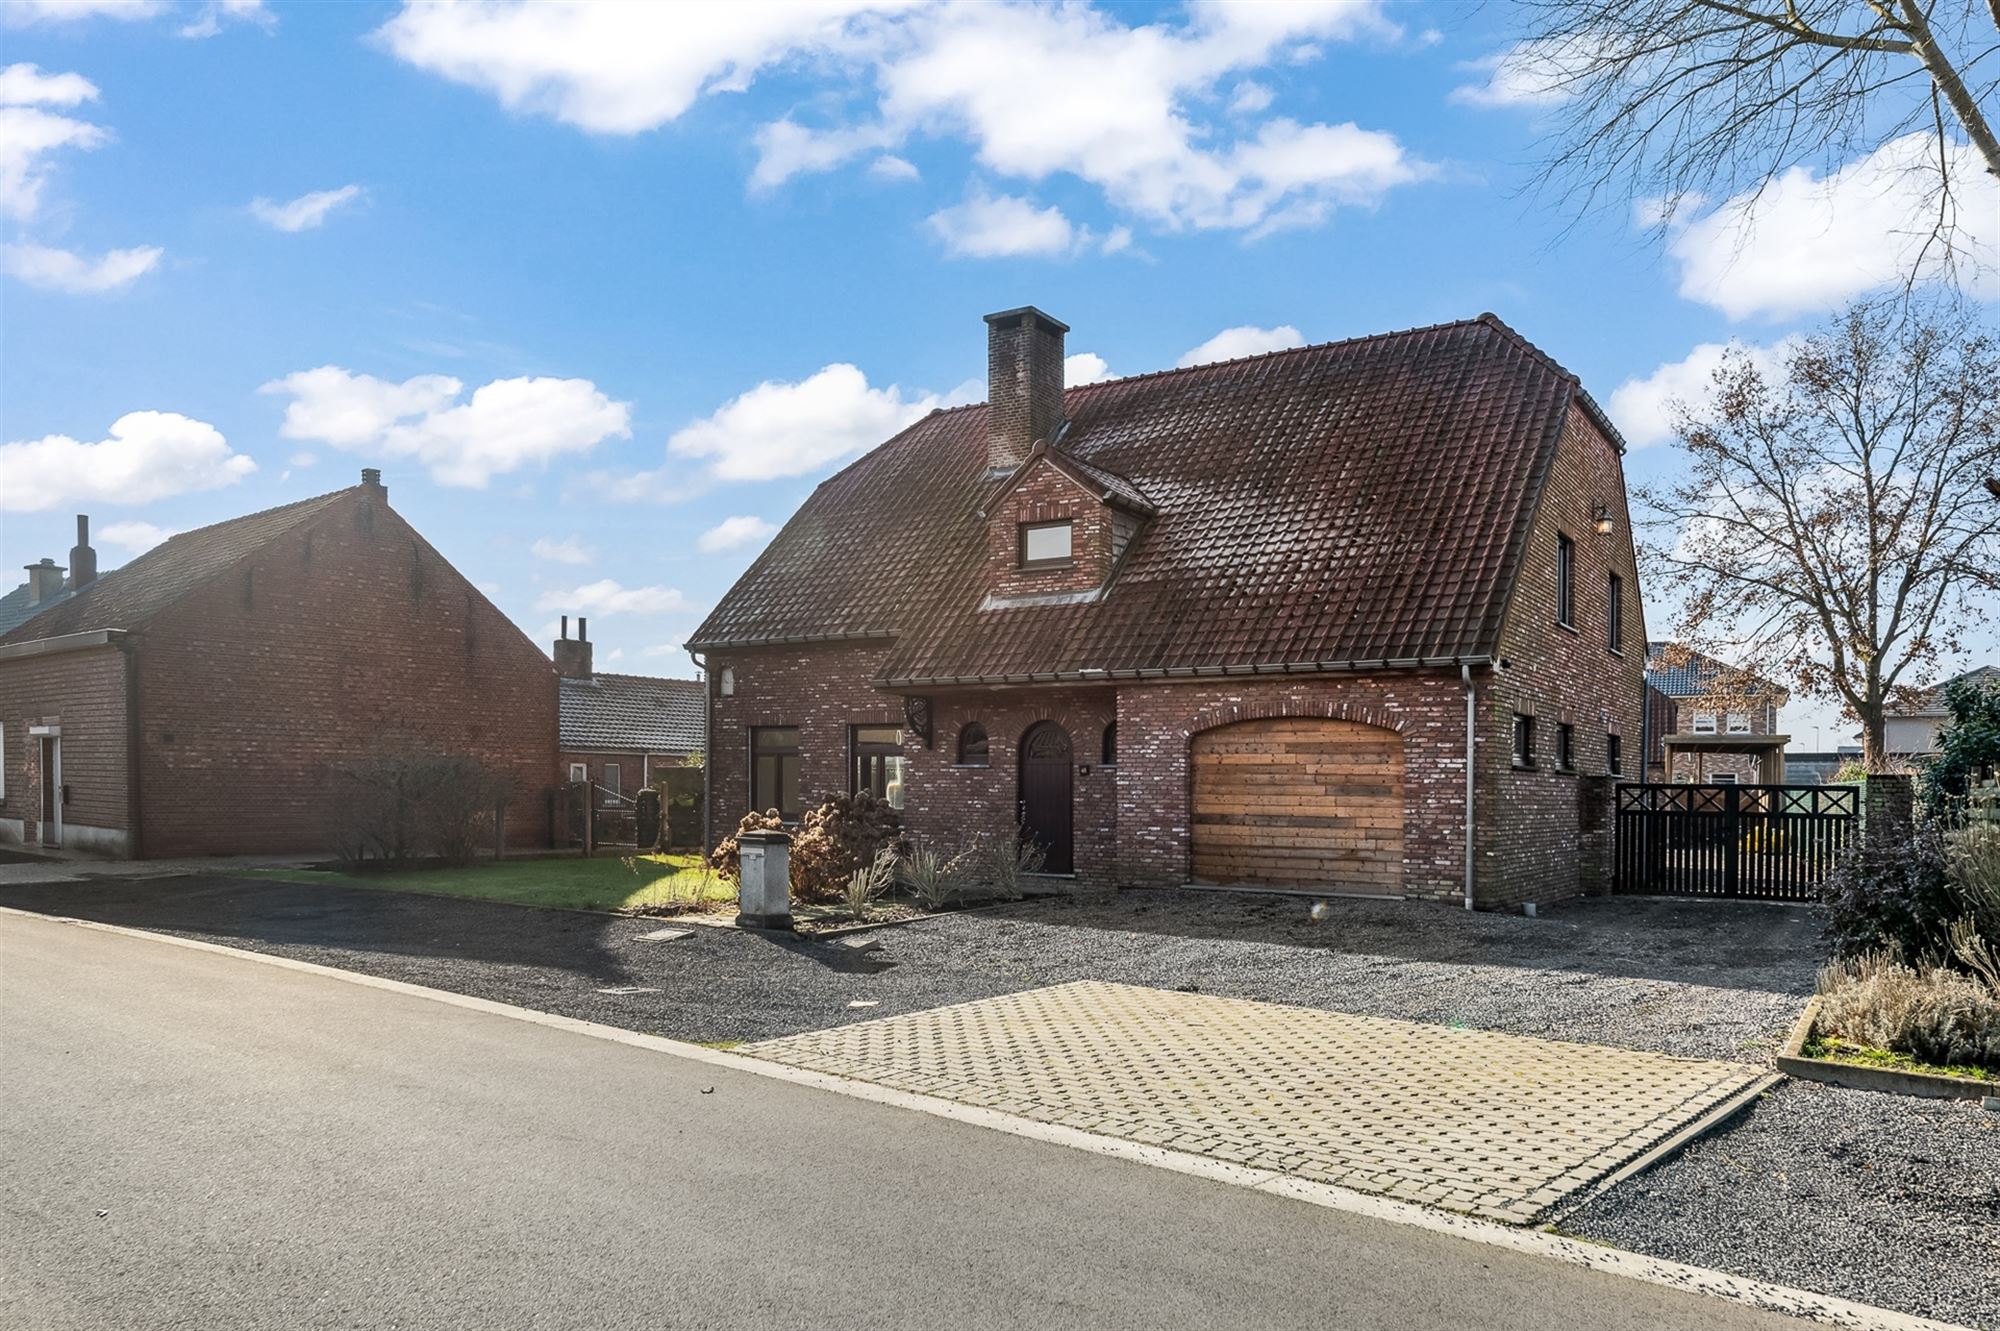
(601, 883)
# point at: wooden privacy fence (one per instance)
(1777, 843)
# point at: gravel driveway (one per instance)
(1876, 1198)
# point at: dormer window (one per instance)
(1045, 544)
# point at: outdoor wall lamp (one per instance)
(1603, 520)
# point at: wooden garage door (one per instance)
(1299, 802)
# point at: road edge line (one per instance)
(1824, 1308)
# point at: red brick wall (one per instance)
(1046, 495)
(84, 693)
(343, 635)
(1538, 840)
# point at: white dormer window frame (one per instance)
(1739, 723)
(1048, 544)
(1703, 723)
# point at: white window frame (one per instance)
(615, 787)
(1702, 723)
(579, 771)
(1722, 779)
(1732, 722)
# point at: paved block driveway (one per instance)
(1501, 1126)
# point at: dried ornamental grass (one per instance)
(1935, 1014)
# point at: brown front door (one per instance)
(1045, 794)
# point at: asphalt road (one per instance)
(196, 1140)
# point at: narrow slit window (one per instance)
(1565, 581)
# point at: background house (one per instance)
(192, 701)
(1911, 728)
(1721, 722)
(618, 730)
(1247, 622)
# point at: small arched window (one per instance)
(1110, 758)
(972, 745)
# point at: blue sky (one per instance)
(606, 292)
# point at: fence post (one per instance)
(764, 880)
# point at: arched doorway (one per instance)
(1299, 802)
(1045, 794)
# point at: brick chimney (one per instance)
(82, 559)
(372, 478)
(45, 579)
(1024, 384)
(573, 654)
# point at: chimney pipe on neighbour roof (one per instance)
(45, 579)
(1024, 384)
(82, 559)
(573, 654)
(372, 478)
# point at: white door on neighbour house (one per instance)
(52, 785)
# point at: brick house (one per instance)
(617, 730)
(1721, 721)
(1238, 623)
(191, 701)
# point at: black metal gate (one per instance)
(1777, 843)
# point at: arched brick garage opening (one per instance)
(1298, 801)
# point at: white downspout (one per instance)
(1471, 756)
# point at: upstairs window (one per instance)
(972, 745)
(1704, 723)
(1045, 543)
(1739, 723)
(1614, 614)
(774, 770)
(1565, 581)
(1524, 740)
(1565, 747)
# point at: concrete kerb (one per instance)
(1793, 1062)
(1821, 1308)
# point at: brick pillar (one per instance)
(1594, 827)
(1888, 803)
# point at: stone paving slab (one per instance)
(1500, 1126)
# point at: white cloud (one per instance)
(24, 84)
(607, 597)
(147, 455)
(733, 533)
(891, 167)
(135, 537)
(21, 13)
(571, 551)
(620, 68)
(217, 14)
(1245, 340)
(28, 134)
(1811, 243)
(64, 270)
(1085, 367)
(1645, 410)
(506, 424)
(788, 429)
(1536, 73)
(990, 226)
(302, 459)
(305, 212)
(1034, 90)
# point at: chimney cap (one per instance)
(1049, 321)
(372, 476)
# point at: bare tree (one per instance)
(1832, 529)
(1685, 101)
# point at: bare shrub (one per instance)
(934, 878)
(727, 858)
(842, 834)
(866, 884)
(1933, 1013)
(396, 809)
(1004, 864)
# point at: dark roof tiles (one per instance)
(638, 713)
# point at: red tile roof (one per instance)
(131, 594)
(1329, 506)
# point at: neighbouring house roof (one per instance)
(1931, 701)
(1347, 504)
(637, 713)
(129, 595)
(16, 608)
(1698, 675)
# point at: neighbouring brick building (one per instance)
(618, 730)
(1722, 722)
(192, 701)
(1237, 623)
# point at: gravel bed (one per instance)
(1877, 1198)
(1883, 1199)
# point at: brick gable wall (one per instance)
(1543, 830)
(1046, 495)
(84, 692)
(343, 635)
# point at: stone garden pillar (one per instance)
(764, 894)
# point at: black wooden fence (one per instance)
(1773, 842)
